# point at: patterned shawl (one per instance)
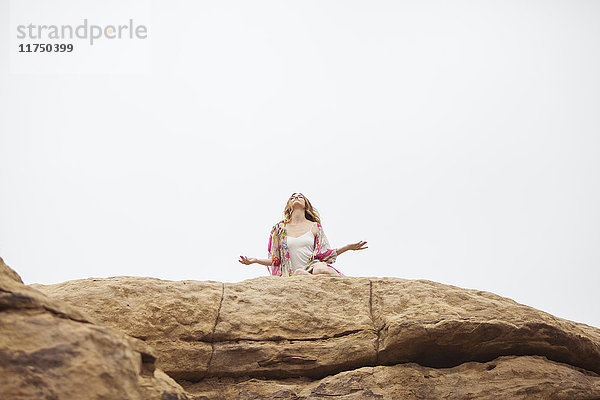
(278, 251)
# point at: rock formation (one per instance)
(319, 337)
(51, 350)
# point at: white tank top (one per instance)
(301, 248)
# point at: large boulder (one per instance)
(51, 350)
(318, 330)
(318, 325)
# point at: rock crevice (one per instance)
(376, 329)
(212, 336)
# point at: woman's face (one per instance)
(297, 200)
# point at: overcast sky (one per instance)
(460, 139)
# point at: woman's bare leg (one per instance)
(301, 272)
(324, 269)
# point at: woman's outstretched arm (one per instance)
(248, 261)
(352, 246)
(323, 251)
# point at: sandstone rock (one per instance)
(512, 377)
(282, 327)
(313, 326)
(271, 326)
(441, 326)
(318, 337)
(51, 350)
(176, 318)
(8, 272)
(16, 296)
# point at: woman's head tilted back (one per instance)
(310, 213)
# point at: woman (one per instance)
(298, 245)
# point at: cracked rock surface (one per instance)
(322, 336)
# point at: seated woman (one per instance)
(292, 252)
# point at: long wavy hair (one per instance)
(310, 213)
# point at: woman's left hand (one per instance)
(357, 246)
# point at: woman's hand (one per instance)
(358, 246)
(246, 260)
(352, 246)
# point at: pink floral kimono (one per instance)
(279, 252)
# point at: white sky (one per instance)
(460, 139)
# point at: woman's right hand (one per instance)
(246, 260)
